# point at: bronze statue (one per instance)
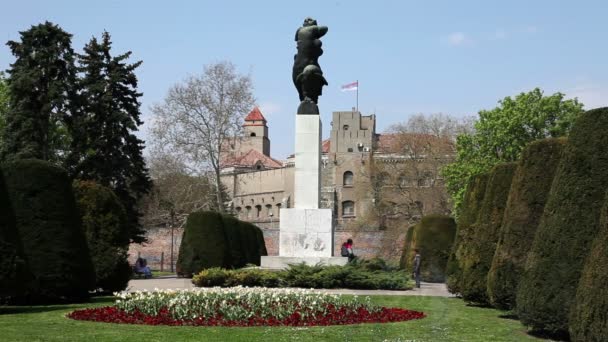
(307, 75)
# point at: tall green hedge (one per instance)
(589, 313)
(433, 237)
(105, 224)
(49, 228)
(567, 227)
(477, 261)
(13, 269)
(473, 198)
(214, 240)
(527, 198)
(203, 243)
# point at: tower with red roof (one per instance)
(255, 132)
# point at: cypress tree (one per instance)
(104, 147)
(42, 91)
(478, 259)
(473, 198)
(570, 222)
(527, 198)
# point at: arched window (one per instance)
(403, 181)
(248, 212)
(278, 209)
(347, 178)
(258, 211)
(238, 211)
(348, 208)
(269, 210)
(252, 134)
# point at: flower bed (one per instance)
(241, 306)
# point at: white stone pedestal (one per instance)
(306, 232)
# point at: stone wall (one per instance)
(158, 248)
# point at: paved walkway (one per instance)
(426, 289)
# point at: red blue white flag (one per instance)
(350, 86)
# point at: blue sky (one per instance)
(410, 57)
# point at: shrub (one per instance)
(527, 198)
(13, 269)
(477, 261)
(353, 276)
(588, 320)
(567, 227)
(203, 243)
(104, 221)
(49, 228)
(473, 198)
(213, 276)
(433, 236)
(235, 245)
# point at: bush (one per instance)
(567, 227)
(203, 243)
(473, 198)
(104, 221)
(353, 276)
(13, 269)
(49, 228)
(588, 320)
(433, 236)
(527, 198)
(477, 261)
(214, 240)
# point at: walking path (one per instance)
(426, 289)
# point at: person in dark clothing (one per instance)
(416, 270)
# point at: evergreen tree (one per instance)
(104, 148)
(41, 83)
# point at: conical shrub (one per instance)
(473, 198)
(569, 223)
(589, 314)
(527, 198)
(477, 261)
(433, 237)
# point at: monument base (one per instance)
(282, 262)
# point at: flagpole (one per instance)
(357, 95)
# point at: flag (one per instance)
(350, 86)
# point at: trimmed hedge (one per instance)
(589, 313)
(527, 198)
(567, 227)
(214, 240)
(49, 228)
(477, 261)
(473, 198)
(105, 224)
(433, 236)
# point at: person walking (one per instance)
(416, 270)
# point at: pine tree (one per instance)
(104, 148)
(41, 83)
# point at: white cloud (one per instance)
(591, 95)
(270, 108)
(458, 39)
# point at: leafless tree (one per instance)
(201, 114)
(437, 124)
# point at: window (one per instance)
(248, 212)
(348, 208)
(278, 209)
(258, 211)
(238, 211)
(345, 127)
(252, 134)
(403, 181)
(269, 210)
(347, 178)
(350, 149)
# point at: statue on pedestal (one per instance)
(307, 74)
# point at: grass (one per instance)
(449, 319)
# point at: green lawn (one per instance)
(449, 319)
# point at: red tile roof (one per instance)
(325, 145)
(255, 115)
(251, 159)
